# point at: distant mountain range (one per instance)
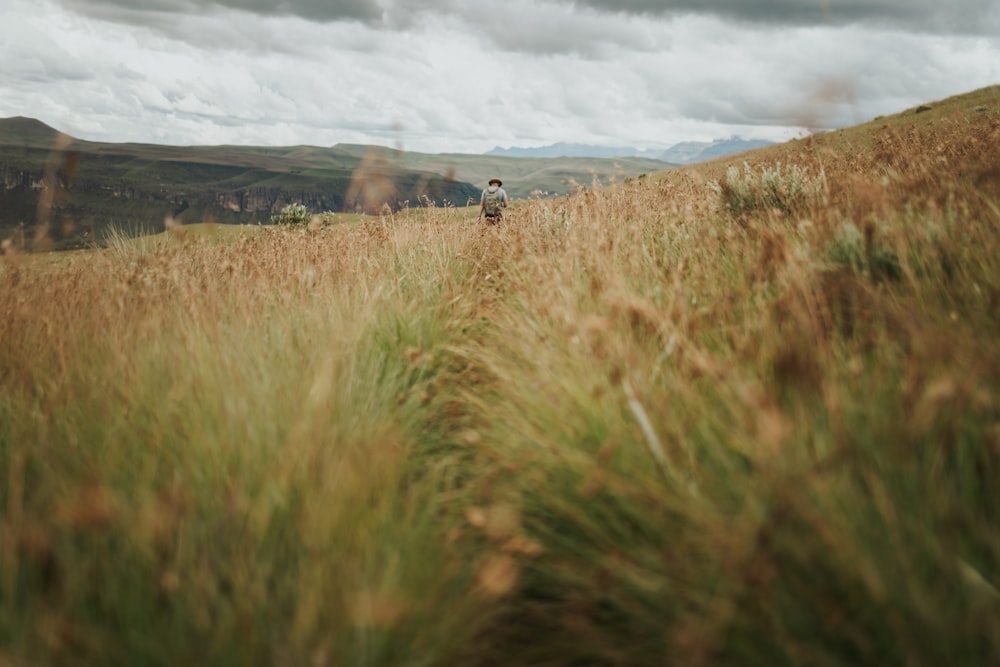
(688, 152)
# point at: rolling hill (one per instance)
(740, 413)
(70, 190)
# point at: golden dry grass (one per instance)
(639, 425)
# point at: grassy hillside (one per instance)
(67, 193)
(743, 413)
(139, 186)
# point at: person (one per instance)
(493, 201)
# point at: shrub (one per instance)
(847, 248)
(293, 214)
(741, 193)
(862, 252)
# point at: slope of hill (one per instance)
(22, 131)
(138, 185)
(71, 190)
(730, 414)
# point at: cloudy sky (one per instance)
(460, 76)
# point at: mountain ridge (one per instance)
(141, 185)
(683, 153)
(28, 131)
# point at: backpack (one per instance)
(491, 203)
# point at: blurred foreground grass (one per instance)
(742, 413)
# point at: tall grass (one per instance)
(632, 426)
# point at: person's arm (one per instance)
(482, 204)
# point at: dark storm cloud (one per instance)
(962, 16)
(937, 16)
(131, 11)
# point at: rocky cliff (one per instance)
(71, 192)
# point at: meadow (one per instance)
(745, 412)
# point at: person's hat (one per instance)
(496, 180)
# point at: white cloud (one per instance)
(441, 77)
